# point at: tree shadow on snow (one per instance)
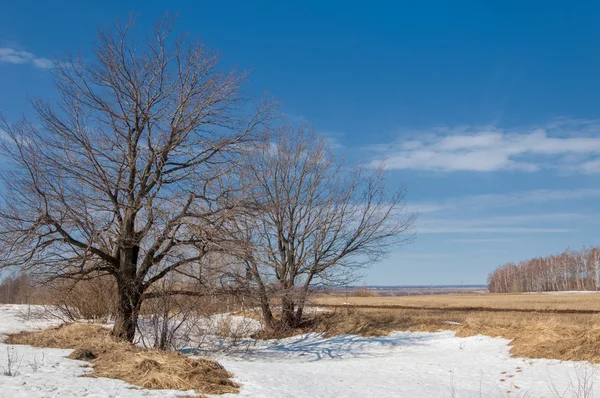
(313, 347)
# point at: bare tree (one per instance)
(314, 223)
(137, 146)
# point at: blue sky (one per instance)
(489, 112)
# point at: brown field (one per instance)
(526, 302)
(563, 327)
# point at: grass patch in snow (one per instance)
(117, 359)
(573, 337)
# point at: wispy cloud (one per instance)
(480, 240)
(514, 224)
(335, 140)
(567, 146)
(14, 56)
(452, 229)
(479, 214)
(490, 201)
(405, 255)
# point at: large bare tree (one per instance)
(314, 222)
(127, 171)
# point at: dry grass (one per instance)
(541, 302)
(572, 333)
(121, 360)
(561, 326)
(364, 292)
(538, 335)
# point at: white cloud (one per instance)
(333, 139)
(591, 166)
(448, 229)
(481, 240)
(423, 256)
(513, 224)
(565, 146)
(477, 214)
(13, 56)
(489, 201)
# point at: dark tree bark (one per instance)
(129, 302)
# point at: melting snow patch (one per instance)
(451, 323)
(402, 364)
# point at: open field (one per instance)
(583, 303)
(557, 326)
(398, 364)
(573, 337)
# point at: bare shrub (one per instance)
(94, 299)
(37, 362)
(13, 362)
(196, 323)
(582, 387)
(166, 319)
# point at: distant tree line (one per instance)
(571, 270)
(15, 289)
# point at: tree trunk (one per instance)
(299, 312)
(128, 309)
(597, 269)
(163, 336)
(265, 303)
(301, 303)
(129, 296)
(288, 317)
(302, 300)
(267, 315)
(265, 306)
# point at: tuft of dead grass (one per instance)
(117, 359)
(564, 337)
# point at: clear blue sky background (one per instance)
(489, 112)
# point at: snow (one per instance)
(403, 364)
(204, 332)
(46, 372)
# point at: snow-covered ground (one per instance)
(402, 364)
(46, 372)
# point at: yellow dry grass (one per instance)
(121, 360)
(566, 336)
(560, 302)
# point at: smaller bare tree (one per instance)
(313, 222)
